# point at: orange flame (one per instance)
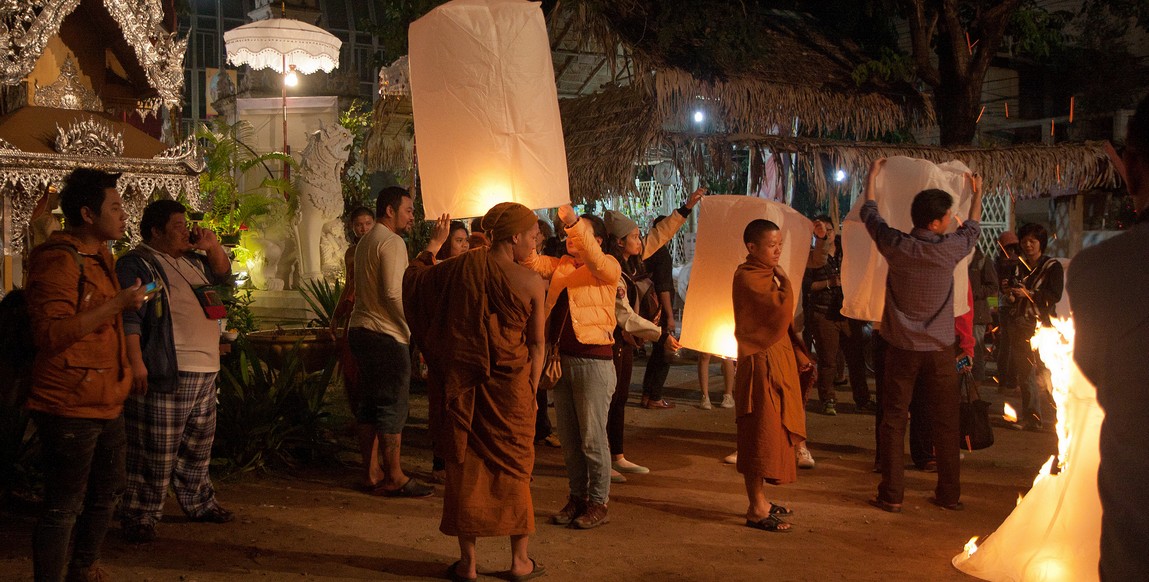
(971, 546)
(1010, 414)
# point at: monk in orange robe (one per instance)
(767, 392)
(478, 318)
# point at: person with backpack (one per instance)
(80, 375)
(636, 307)
(173, 348)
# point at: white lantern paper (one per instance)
(708, 312)
(487, 127)
(863, 268)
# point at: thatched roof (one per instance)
(391, 142)
(1022, 171)
(606, 134)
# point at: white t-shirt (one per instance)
(380, 261)
(196, 336)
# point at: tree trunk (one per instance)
(957, 106)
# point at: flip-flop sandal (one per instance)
(770, 523)
(411, 488)
(454, 576)
(780, 511)
(537, 570)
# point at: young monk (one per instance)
(767, 393)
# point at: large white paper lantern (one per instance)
(863, 267)
(708, 312)
(487, 127)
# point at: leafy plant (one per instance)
(322, 296)
(271, 417)
(239, 315)
(227, 156)
(356, 180)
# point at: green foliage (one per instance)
(890, 66)
(1035, 31)
(322, 296)
(390, 26)
(227, 156)
(270, 417)
(239, 315)
(356, 181)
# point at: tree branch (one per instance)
(922, 28)
(957, 39)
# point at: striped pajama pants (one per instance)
(169, 442)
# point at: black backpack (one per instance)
(17, 346)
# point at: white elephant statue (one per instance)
(321, 199)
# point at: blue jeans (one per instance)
(582, 399)
(83, 482)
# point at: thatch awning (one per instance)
(606, 134)
(391, 142)
(1023, 171)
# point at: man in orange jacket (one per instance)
(80, 375)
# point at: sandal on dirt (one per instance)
(780, 511)
(411, 488)
(537, 570)
(454, 576)
(955, 506)
(886, 505)
(770, 523)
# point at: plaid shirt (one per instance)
(919, 314)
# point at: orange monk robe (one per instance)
(767, 393)
(471, 329)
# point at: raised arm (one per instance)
(975, 203)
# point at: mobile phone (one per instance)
(193, 237)
(152, 287)
(964, 363)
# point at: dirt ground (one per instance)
(683, 521)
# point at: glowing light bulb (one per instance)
(291, 79)
(699, 116)
(840, 176)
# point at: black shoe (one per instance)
(138, 533)
(214, 514)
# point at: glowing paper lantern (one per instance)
(487, 127)
(708, 312)
(863, 268)
(1054, 533)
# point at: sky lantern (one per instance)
(1054, 533)
(863, 268)
(487, 127)
(708, 315)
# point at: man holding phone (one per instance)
(173, 348)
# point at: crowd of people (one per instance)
(123, 381)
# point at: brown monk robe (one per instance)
(478, 320)
(767, 394)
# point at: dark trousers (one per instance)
(616, 415)
(657, 366)
(1121, 478)
(543, 428)
(921, 442)
(845, 334)
(935, 370)
(83, 480)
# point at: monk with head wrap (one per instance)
(479, 318)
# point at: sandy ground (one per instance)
(683, 521)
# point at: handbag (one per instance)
(976, 432)
(552, 362)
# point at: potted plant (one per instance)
(315, 344)
(227, 157)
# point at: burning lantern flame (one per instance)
(971, 546)
(1010, 414)
(1054, 532)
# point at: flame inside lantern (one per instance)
(1010, 415)
(1054, 532)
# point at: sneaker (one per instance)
(731, 459)
(705, 404)
(213, 514)
(594, 516)
(551, 440)
(616, 477)
(93, 573)
(727, 401)
(625, 466)
(805, 459)
(829, 408)
(575, 507)
(657, 404)
(138, 533)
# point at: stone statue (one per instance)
(321, 200)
